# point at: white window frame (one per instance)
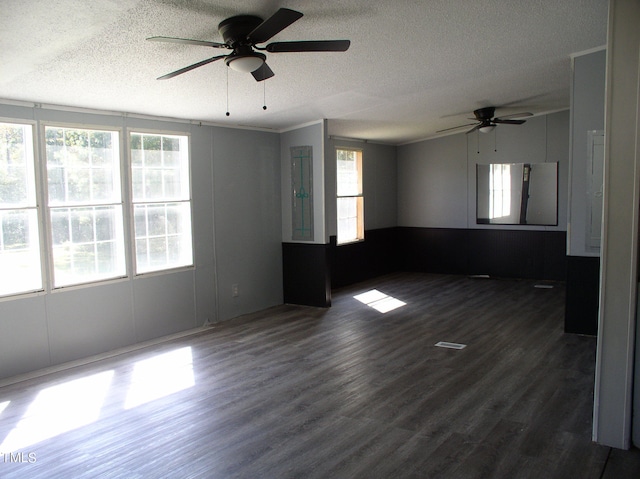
(188, 261)
(34, 205)
(122, 271)
(357, 197)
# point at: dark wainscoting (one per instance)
(311, 270)
(499, 253)
(355, 262)
(583, 295)
(305, 272)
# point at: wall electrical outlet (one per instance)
(234, 290)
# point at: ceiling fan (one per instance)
(486, 121)
(242, 33)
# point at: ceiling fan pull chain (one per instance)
(227, 92)
(264, 95)
(478, 140)
(495, 139)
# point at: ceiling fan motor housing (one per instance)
(485, 114)
(235, 30)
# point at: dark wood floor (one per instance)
(298, 392)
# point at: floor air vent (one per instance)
(444, 344)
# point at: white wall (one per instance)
(236, 180)
(246, 188)
(433, 184)
(437, 178)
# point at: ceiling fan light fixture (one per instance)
(486, 128)
(245, 63)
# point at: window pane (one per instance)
(20, 266)
(105, 227)
(107, 255)
(163, 236)
(19, 251)
(153, 184)
(157, 253)
(101, 148)
(77, 184)
(102, 182)
(347, 219)
(172, 184)
(17, 179)
(87, 244)
(137, 182)
(160, 167)
(15, 230)
(13, 183)
(170, 144)
(156, 219)
(174, 247)
(82, 166)
(349, 181)
(142, 255)
(152, 146)
(60, 226)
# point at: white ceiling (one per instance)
(414, 67)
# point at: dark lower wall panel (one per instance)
(518, 254)
(355, 262)
(499, 253)
(305, 274)
(583, 295)
(433, 250)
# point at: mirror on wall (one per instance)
(517, 194)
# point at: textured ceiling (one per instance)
(414, 67)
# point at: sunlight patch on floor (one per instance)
(59, 409)
(379, 301)
(160, 376)
(3, 406)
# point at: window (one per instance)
(79, 236)
(499, 190)
(85, 205)
(350, 202)
(161, 197)
(19, 234)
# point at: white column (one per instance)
(618, 280)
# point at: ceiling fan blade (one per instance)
(477, 127)
(190, 67)
(262, 73)
(310, 46)
(508, 122)
(273, 25)
(455, 127)
(515, 115)
(187, 41)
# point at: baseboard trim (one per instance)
(102, 356)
